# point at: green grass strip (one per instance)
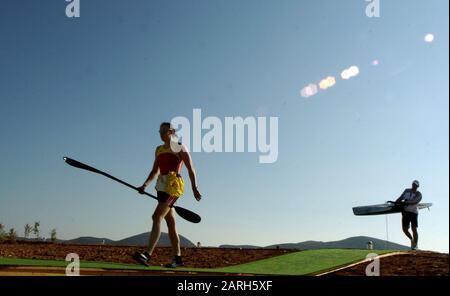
(302, 263)
(298, 263)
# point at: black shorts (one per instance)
(409, 218)
(164, 197)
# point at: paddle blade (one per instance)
(80, 165)
(188, 215)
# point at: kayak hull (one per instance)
(383, 209)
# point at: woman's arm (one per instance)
(186, 157)
(151, 175)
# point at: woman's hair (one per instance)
(168, 125)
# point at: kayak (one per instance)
(383, 209)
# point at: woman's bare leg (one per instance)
(160, 212)
(173, 234)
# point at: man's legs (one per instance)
(406, 231)
(414, 225)
(407, 219)
(405, 225)
(416, 236)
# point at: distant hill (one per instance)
(135, 240)
(164, 240)
(240, 247)
(88, 240)
(358, 242)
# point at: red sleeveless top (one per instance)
(167, 160)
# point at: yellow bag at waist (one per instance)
(175, 184)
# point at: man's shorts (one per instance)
(409, 218)
(166, 198)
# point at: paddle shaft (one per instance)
(184, 213)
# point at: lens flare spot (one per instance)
(354, 71)
(309, 90)
(429, 38)
(350, 72)
(345, 75)
(327, 82)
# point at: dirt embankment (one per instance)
(418, 263)
(192, 257)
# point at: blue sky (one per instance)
(96, 88)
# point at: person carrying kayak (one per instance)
(409, 200)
